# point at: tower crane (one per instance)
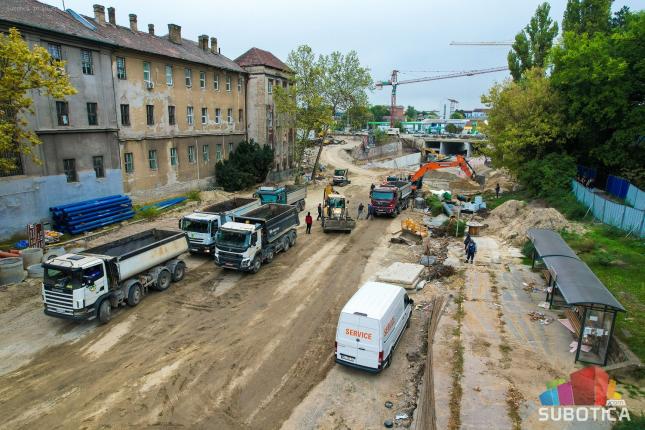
(394, 82)
(453, 43)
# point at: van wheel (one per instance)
(179, 271)
(163, 280)
(255, 266)
(105, 311)
(386, 364)
(407, 323)
(134, 296)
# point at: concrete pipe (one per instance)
(36, 271)
(53, 252)
(11, 270)
(31, 256)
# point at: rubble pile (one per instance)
(512, 219)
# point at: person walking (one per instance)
(467, 240)
(497, 189)
(471, 251)
(370, 211)
(319, 211)
(309, 221)
(360, 210)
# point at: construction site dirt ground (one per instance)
(223, 349)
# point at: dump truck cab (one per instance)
(341, 177)
(237, 245)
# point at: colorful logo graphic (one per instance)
(588, 386)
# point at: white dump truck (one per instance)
(89, 284)
(201, 225)
(256, 237)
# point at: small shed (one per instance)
(589, 306)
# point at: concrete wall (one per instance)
(26, 200)
(377, 151)
(405, 161)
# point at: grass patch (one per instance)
(513, 401)
(619, 262)
(456, 392)
(149, 213)
(434, 204)
(194, 195)
(637, 423)
(492, 202)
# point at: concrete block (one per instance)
(405, 274)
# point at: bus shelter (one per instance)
(589, 306)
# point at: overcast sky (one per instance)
(411, 36)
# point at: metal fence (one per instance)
(630, 219)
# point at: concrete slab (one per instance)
(404, 274)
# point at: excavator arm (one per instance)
(460, 162)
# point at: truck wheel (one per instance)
(269, 257)
(179, 271)
(286, 243)
(105, 311)
(301, 206)
(293, 237)
(255, 266)
(134, 296)
(163, 280)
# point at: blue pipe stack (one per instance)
(88, 215)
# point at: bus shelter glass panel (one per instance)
(595, 336)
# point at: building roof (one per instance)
(42, 16)
(260, 57)
(373, 299)
(161, 45)
(575, 280)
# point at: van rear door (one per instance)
(346, 349)
(368, 345)
(357, 340)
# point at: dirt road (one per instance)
(218, 350)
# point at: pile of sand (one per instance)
(512, 220)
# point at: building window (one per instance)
(152, 159)
(228, 83)
(86, 62)
(216, 81)
(191, 154)
(150, 114)
(202, 80)
(188, 75)
(230, 148)
(229, 116)
(62, 112)
(204, 115)
(205, 153)
(218, 152)
(92, 115)
(173, 157)
(218, 116)
(69, 167)
(269, 118)
(97, 161)
(239, 84)
(125, 115)
(168, 75)
(171, 115)
(55, 51)
(240, 116)
(128, 159)
(146, 72)
(270, 86)
(189, 115)
(120, 68)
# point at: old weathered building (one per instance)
(79, 151)
(180, 106)
(264, 124)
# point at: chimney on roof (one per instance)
(151, 29)
(214, 45)
(99, 14)
(174, 33)
(203, 42)
(133, 22)
(112, 15)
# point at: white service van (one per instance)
(371, 324)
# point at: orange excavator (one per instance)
(460, 161)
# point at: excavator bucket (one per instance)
(480, 179)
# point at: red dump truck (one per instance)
(391, 198)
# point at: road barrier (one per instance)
(627, 218)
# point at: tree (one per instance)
(379, 111)
(411, 113)
(458, 114)
(454, 129)
(587, 16)
(600, 77)
(525, 121)
(21, 71)
(249, 164)
(358, 117)
(532, 44)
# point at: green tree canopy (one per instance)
(587, 16)
(249, 164)
(458, 114)
(21, 71)
(379, 111)
(532, 44)
(411, 113)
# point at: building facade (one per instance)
(79, 154)
(265, 124)
(180, 106)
